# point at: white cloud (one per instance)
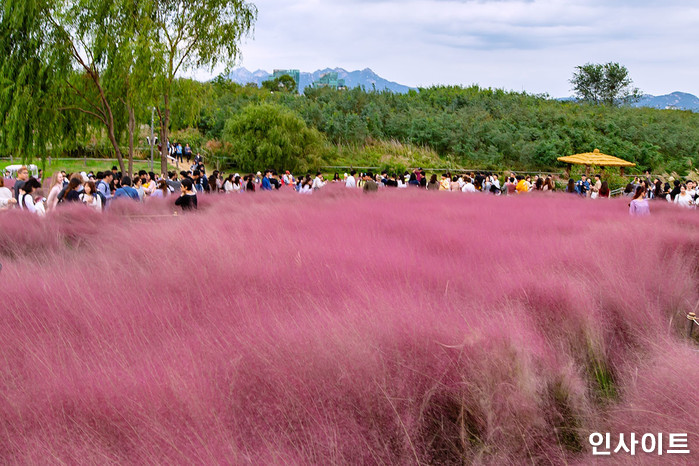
(532, 45)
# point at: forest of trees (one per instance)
(471, 126)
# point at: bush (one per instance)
(272, 136)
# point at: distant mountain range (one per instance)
(369, 80)
(676, 100)
(360, 78)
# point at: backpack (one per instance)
(102, 198)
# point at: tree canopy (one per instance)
(608, 84)
(274, 137)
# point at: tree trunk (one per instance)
(132, 127)
(164, 133)
(112, 139)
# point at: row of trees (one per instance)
(71, 66)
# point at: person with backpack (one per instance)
(26, 200)
(104, 186)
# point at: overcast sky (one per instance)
(530, 45)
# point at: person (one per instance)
(582, 186)
(7, 199)
(570, 189)
(455, 186)
(596, 187)
(522, 185)
(26, 200)
(433, 185)
(422, 180)
(237, 184)
(72, 193)
(22, 177)
(213, 182)
(147, 182)
(318, 181)
(675, 191)
(188, 196)
(126, 191)
(658, 192)
(401, 182)
(138, 186)
(604, 190)
(161, 190)
(549, 185)
(351, 181)
(250, 184)
(104, 185)
(445, 182)
(228, 184)
(413, 181)
(639, 204)
(55, 187)
(306, 186)
(172, 183)
(266, 185)
(683, 199)
(89, 196)
(372, 186)
(468, 186)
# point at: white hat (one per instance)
(84, 176)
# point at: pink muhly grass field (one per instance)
(396, 328)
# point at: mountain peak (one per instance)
(366, 78)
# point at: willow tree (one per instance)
(29, 70)
(195, 34)
(67, 61)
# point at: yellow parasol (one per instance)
(596, 158)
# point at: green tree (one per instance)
(272, 136)
(76, 57)
(193, 34)
(29, 121)
(607, 84)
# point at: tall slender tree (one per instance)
(195, 34)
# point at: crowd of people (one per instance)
(98, 190)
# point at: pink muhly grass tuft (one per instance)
(401, 327)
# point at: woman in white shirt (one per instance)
(89, 198)
(237, 185)
(684, 199)
(6, 198)
(228, 185)
(26, 200)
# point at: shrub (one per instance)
(271, 136)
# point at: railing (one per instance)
(616, 192)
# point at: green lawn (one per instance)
(79, 165)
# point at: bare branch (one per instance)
(88, 112)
